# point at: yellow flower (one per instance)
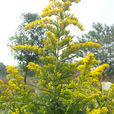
(34, 67)
(1, 81)
(87, 109)
(59, 74)
(102, 110)
(26, 48)
(8, 76)
(12, 69)
(99, 70)
(13, 113)
(23, 107)
(12, 81)
(19, 77)
(50, 84)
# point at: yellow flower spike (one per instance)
(50, 84)
(33, 67)
(13, 113)
(19, 77)
(99, 69)
(59, 86)
(104, 110)
(1, 81)
(12, 81)
(12, 69)
(23, 107)
(59, 74)
(8, 76)
(87, 109)
(26, 48)
(17, 111)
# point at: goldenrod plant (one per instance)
(57, 91)
(14, 95)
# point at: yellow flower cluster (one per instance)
(32, 24)
(85, 66)
(72, 20)
(50, 42)
(98, 70)
(55, 8)
(21, 110)
(59, 74)
(12, 69)
(90, 57)
(44, 23)
(47, 20)
(16, 111)
(102, 110)
(84, 45)
(23, 107)
(49, 27)
(14, 92)
(26, 47)
(72, 84)
(91, 44)
(1, 81)
(12, 81)
(88, 62)
(48, 59)
(52, 9)
(50, 84)
(66, 5)
(30, 48)
(15, 74)
(74, 48)
(52, 12)
(33, 67)
(92, 96)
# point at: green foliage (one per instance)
(103, 35)
(56, 91)
(30, 37)
(2, 70)
(15, 96)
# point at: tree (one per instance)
(103, 35)
(30, 37)
(2, 70)
(56, 92)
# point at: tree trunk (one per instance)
(25, 76)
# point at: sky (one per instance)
(87, 11)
